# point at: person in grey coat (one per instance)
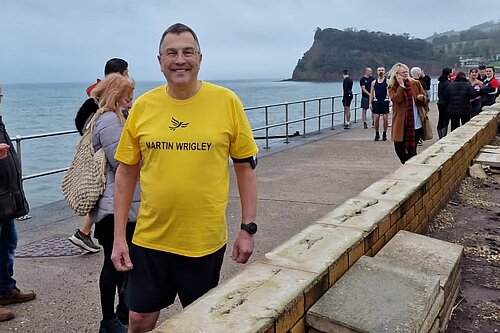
(114, 95)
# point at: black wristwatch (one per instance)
(251, 228)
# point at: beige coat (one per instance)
(397, 96)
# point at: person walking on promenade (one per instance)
(114, 95)
(347, 97)
(458, 97)
(408, 105)
(443, 117)
(476, 84)
(365, 82)
(425, 81)
(379, 103)
(83, 236)
(490, 87)
(12, 204)
(180, 136)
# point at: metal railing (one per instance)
(322, 107)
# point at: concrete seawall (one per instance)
(274, 293)
(298, 184)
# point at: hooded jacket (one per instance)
(458, 96)
(12, 199)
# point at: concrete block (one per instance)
(490, 149)
(492, 160)
(445, 313)
(476, 171)
(391, 190)
(430, 158)
(375, 297)
(249, 302)
(435, 326)
(431, 317)
(424, 254)
(413, 172)
(360, 213)
(315, 248)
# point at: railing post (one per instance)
(287, 125)
(267, 128)
(319, 115)
(19, 152)
(304, 121)
(333, 113)
(355, 108)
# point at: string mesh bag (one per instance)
(85, 180)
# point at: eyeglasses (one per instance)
(186, 53)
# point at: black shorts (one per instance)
(346, 100)
(380, 107)
(365, 102)
(157, 277)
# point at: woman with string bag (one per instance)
(114, 96)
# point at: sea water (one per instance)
(29, 109)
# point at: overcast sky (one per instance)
(70, 40)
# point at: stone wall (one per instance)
(273, 294)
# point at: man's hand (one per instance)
(120, 256)
(243, 247)
(4, 150)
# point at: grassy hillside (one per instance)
(334, 50)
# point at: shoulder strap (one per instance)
(91, 124)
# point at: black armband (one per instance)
(252, 160)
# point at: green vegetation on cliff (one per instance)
(334, 50)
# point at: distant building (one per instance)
(471, 62)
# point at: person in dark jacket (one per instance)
(489, 89)
(13, 204)
(458, 95)
(443, 119)
(83, 236)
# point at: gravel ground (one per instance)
(472, 219)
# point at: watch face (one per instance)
(251, 228)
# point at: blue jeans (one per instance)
(8, 243)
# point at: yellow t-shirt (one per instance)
(185, 147)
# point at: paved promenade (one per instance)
(297, 183)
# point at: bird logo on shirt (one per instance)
(176, 124)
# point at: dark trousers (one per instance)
(457, 119)
(8, 244)
(443, 119)
(403, 154)
(110, 280)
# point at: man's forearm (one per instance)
(125, 182)
(247, 187)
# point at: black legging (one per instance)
(110, 280)
(400, 148)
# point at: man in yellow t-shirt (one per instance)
(179, 137)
